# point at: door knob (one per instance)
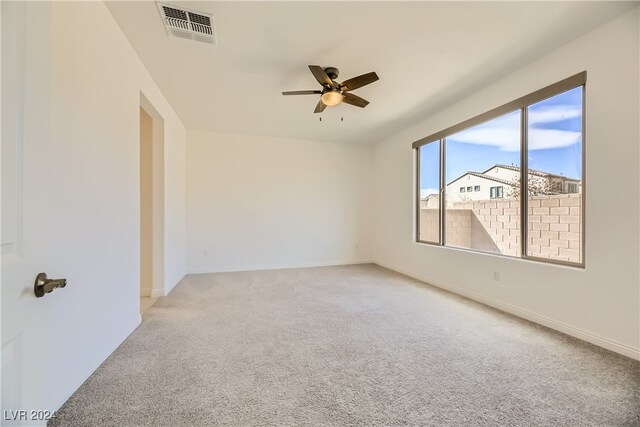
(44, 285)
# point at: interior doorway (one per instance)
(151, 205)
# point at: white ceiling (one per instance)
(427, 54)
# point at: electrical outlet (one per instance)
(496, 276)
(205, 252)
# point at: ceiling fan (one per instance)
(333, 93)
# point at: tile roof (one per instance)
(513, 168)
(482, 175)
(531, 172)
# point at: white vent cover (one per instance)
(187, 24)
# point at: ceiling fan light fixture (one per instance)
(334, 93)
(331, 98)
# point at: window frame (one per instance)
(522, 104)
(496, 192)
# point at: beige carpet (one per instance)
(353, 345)
(146, 303)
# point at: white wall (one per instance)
(175, 194)
(600, 303)
(84, 223)
(260, 202)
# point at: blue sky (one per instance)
(555, 142)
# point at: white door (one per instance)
(28, 245)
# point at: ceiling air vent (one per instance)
(187, 24)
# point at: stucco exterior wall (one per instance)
(453, 189)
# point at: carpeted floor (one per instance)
(352, 345)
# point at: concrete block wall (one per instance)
(555, 229)
(554, 226)
(459, 228)
(429, 223)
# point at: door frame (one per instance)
(158, 232)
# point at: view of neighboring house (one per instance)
(501, 181)
(432, 201)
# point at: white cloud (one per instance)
(539, 139)
(505, 138)
(504, 132)
(554, 113)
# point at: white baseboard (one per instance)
(157, 293)
(256, 267)
(565, 328)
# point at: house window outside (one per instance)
(489, 150)
(496, 192)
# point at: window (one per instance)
(429, 184)
(473, 220)
(572, 188)
(554, 147)
(532, 146)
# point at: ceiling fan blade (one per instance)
(359, 81)
(320, 75)
(320, 107)
(352, 99)
(303, 92)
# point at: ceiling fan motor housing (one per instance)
(332, 72)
